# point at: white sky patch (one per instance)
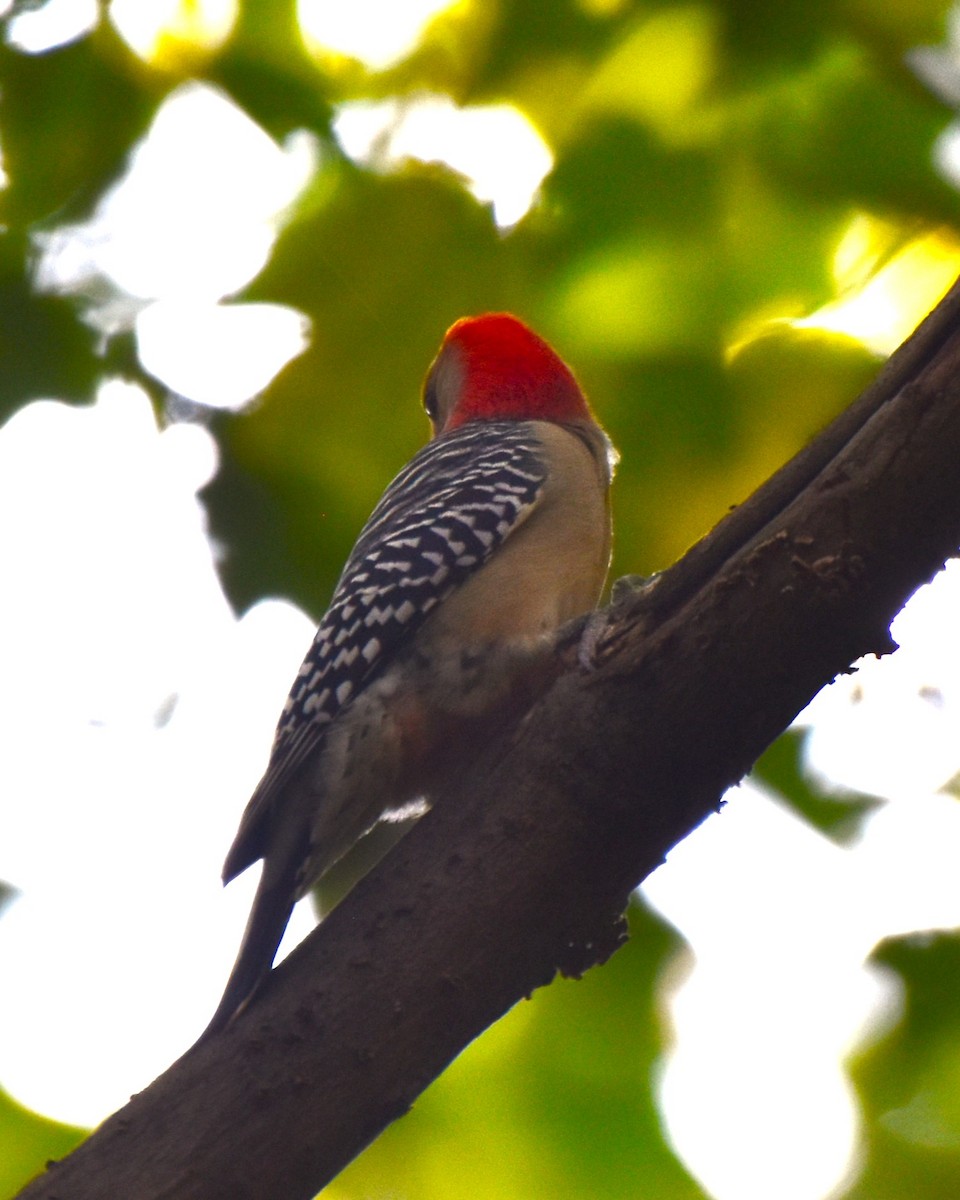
(377, 34)
(143, 24)
(137, 717)
(495, 147)
(193, 220)
(946, 153)
(939, 66)
(220, 355)
(893, 727)
(196, 213)
(780, 921)
(769, 1007)
(56, 23)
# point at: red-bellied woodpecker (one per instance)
(492, 536)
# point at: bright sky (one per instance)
(137, 731)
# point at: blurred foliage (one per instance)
(838, 816)
(29, 1142)
(709, 160)
(909, 1081)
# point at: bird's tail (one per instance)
(269, 915)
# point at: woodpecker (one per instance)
(491, 537)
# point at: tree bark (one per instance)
(527, 868)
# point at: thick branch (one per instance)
(527, 869)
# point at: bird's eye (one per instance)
(431, 401)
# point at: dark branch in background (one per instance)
(528, 868)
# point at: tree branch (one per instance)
(526, 870)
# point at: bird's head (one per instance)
(493, 368)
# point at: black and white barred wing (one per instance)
(447, 511)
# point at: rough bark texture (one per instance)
(527, 869)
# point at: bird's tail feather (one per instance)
(269, 915)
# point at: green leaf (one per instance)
(67, 121)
